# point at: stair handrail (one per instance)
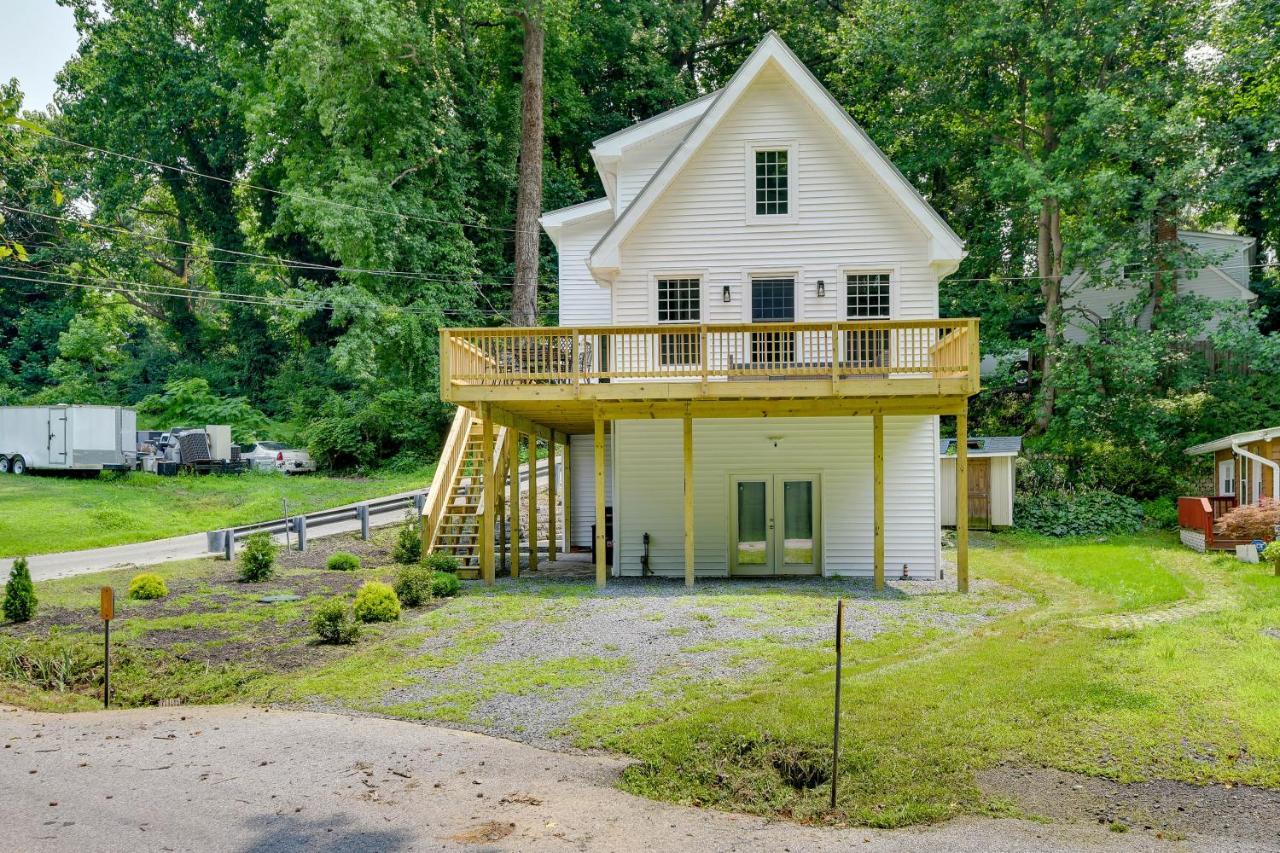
(446, 473)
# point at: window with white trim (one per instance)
(772, 180)
(679, 301)
(867, 297)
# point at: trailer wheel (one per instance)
(18, 465)
(4, 464)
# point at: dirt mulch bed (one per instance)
(375, 552)
(1165, 809)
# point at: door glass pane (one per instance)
(753, 523)
(797, 529)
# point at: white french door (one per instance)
(774, 522)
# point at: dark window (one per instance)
(773, 300)
(867, 298)
(679, 301)
(771, 183)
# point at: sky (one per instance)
(36, 39)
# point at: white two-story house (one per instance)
(749, 368)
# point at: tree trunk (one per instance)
(1049, 263)
(1164, 283)
(524, 301)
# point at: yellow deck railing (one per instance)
(934, 349)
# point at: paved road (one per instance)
(235, 778)
(70, 563)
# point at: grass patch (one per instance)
(45, 514)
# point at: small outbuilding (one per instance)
(991, 481)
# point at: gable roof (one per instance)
(662, 122)
(992, 445)
(553, 220)
(946, 248)
(1225, 442)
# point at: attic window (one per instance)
(772, 182)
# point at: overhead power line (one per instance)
(249, 184)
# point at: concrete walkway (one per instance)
(235, 778)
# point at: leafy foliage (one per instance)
(413, 585)
(19, 593)
(377, 602)
(1252, 521)
(1161, 513)
(1079, 513)
(257, 558)
(191, 402)
(445, 585)
(342, 561)
(332, 622)
(408, 547)
(147, 586)
(442, 561)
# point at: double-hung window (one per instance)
(679, 301)
(867, 297)
(773, 185)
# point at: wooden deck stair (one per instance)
(452, 516)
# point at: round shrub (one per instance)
(442, 561)
(332, 622)
(445, 585)
(413, 585)
(19, 593)
(147, 586)
(258, 559)
(377, 602)
(1079, 513)
(342, 561)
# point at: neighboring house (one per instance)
(749, 368)
(1246, 470)
(992, 480)
(1224, 278)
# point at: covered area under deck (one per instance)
(554, 383)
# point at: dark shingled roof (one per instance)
(986, 445)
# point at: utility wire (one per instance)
(285, 193)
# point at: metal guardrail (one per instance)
(217, 538)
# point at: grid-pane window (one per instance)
(773, 300)
(867, 298)
(771, 183)
(679, 301)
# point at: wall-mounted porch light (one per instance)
(725, 295)
(822, 288)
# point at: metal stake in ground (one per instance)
(107, 607)
(285, 501)
(835, 740)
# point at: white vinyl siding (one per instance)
(650, 463)
(639, 162)
(583, 302)
(846, 219)
(582, 468)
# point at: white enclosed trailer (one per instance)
(67, 438)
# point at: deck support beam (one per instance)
(533, 502)
(962, 500)
(877, 457)
(551, 497)
(601, 557)
(688, 502)
(489, 487)
(513, 498)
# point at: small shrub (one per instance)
(413, 585)
(19, 593)
(1160, 513)
(408, 549)
(1252, 521)
(442, 561)
(377, 602)
(445, 585)
(147, 586)
(1272, 553)
(342, 561)
(258, 559)
(1080, 513)
(332, 622)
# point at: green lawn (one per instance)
(45, 514)
(930, 700)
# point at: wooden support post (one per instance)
(551, 497)
(533, 502)
(877, 488)
(962, 499)
(489, 489)
(688, 501)
(568, 494)
(513, 498)
(602, 565)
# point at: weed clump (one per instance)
(19, 593)
(408, 549)
(342, 561)
(377, 602)
(147, 586)
(258, 559)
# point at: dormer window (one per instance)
(771, 185)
